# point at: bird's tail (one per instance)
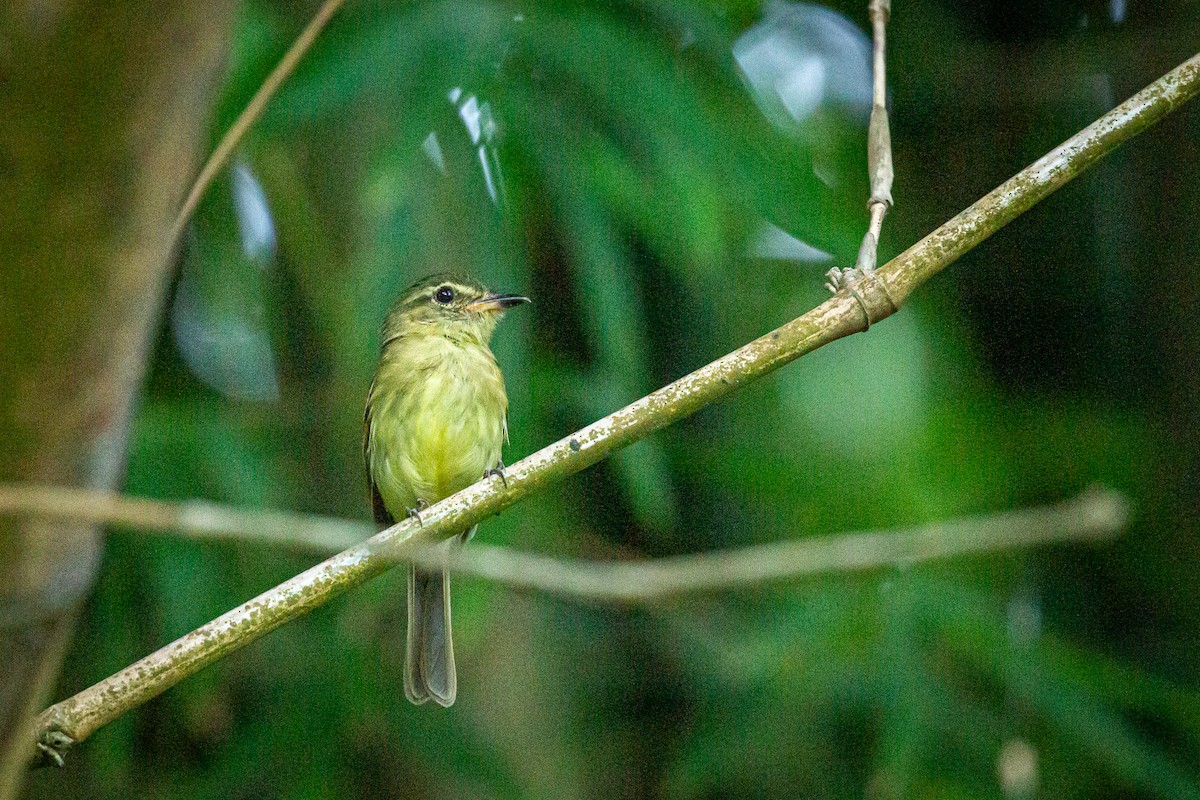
(429, 660)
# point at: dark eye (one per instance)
(444, 295)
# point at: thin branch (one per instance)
(1095, 515)
(250, 114)
(912, 268)
(874, 296)
(196, 519)
(879, 139)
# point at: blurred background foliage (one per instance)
(668, 180)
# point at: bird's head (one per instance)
(453, 306)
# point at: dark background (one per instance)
(635, 161)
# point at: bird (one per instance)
(436, 420)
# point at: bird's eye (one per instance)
(444, 295)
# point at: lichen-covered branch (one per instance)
(1039, 180)
(1095, 515)
(876, 295)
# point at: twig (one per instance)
(1096, 514)
(879, 139)
(192, 518)
(876, 295)
(250, 114)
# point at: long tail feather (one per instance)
(429, 672)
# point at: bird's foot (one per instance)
(415, 512)
(52, 746)
(844, 277)
(497, 472)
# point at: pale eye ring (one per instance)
(444, 295)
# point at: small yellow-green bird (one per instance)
(436, 420)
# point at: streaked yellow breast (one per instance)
(437, 420)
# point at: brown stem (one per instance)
(1095, 515)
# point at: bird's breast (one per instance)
(439, 423)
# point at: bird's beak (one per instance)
(495, 303)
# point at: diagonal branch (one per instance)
(1095, 515)
(873, 297)
(250, 114)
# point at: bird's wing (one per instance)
(378, 510)
(504, 408)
